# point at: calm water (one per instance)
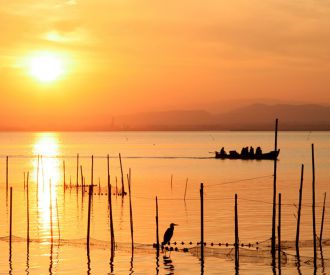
(58, 218)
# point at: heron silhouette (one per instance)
(168, 234)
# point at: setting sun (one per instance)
(46, 67)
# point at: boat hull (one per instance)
(272, 155)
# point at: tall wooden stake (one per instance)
(27, 209)
(236, 237)
(274, 195)
(116, 186)
(299, 209)
(7, 173)
(130, 207)
(185, 190)
(313, 209)
(157, 229)
(92, 172)
(202, 224)
(64, 175)
(112, 235)
(58, 222)
(51, 211)
(90, 194)
(322, 222)
(82, 177)
(10, 216)
(279, 232)
(122, 177)
(37, 187)
(77, 171)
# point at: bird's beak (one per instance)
(176, 224)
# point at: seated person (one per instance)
(251, 153)
(222, 151)
(258, 151)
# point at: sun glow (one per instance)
(46, 67)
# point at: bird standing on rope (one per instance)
(168, 234)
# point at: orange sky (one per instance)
(126, 56)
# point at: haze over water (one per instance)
(153, 157)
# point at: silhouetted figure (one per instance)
(222, 151)
(258, 151)
(168, 234)
(245, 151)
(251, 151)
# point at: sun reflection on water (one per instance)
(46, 168)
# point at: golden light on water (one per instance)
(47, 175)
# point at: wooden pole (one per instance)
(110, 209)
(130, 207)
(171, 183)
(122, 177)
(157, 228)
(185, 190)
(313, 209)
(51, 211)
(92, 172)
(64, 175)
(299, 209)
(279, 233)
(274, 196)
(82, 176)
(24, 180)
(112, 235)
(236, 237)
(77, 171)
(108, 164)
(37, 187)
(42, 172)
(58, 221)
(116, 186)
(27, 209)
(90, 194)
(7, 173)
(322, 222)
(202, 223)
(10, 216)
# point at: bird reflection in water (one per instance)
(168, 265)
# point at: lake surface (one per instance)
(170, 165)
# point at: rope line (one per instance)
(241, 180)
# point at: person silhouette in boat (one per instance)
(258, 151)
(244, 151)
(223, 152)
(251, 153)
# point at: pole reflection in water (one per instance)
(10, 230)
(157, 263)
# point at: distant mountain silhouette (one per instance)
(251, 117)
(310, 117)
(292, 117)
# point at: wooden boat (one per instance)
(272, 155)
